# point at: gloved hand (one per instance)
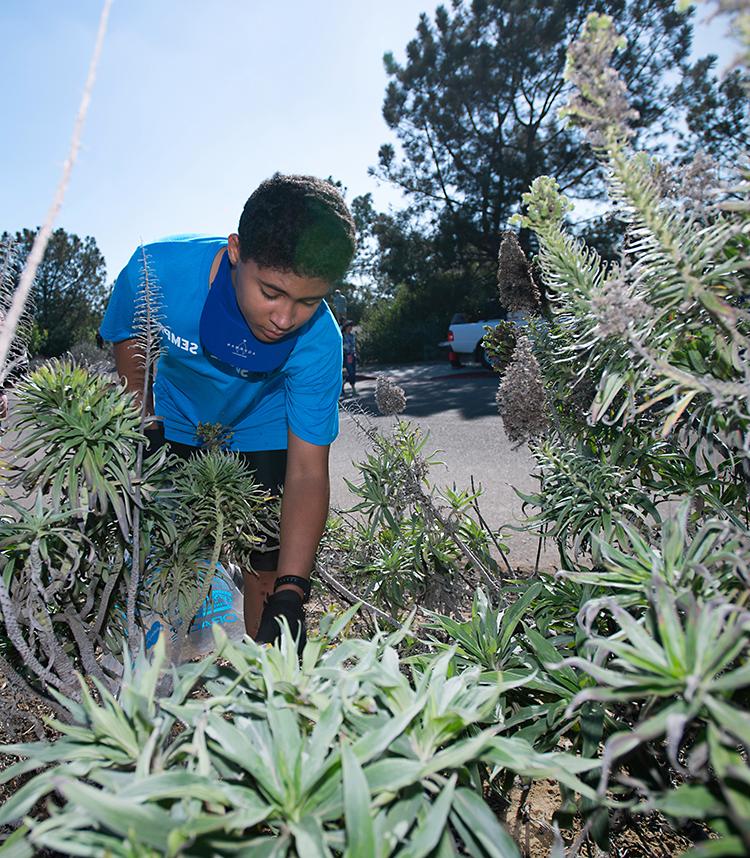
(154, 438)
(284, 603)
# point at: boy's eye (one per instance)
(270, 296)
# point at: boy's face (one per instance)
(274, 303)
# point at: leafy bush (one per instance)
(404, 542)
(641, 372)
(67, 551)
(280, 758)
(398, 331)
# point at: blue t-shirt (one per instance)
(301, 395)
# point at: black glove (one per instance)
(154, 439)
(284, 603)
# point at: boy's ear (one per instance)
(233, 248)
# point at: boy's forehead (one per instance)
(291, 283)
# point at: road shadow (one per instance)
(472, 395)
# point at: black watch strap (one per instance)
(302, 583)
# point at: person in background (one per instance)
(350, 356)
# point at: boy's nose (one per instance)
(283, 319)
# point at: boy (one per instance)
(248, 342)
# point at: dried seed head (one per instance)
(699, 181)
(520, 398)
(694, 186)
(600, 105)
(515, 283)
(615, 308)
(390, 398)
(17, 360)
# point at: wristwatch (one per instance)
(297, 581)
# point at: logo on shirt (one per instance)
(240, 349)
(181, 343)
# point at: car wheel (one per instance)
(483, 358)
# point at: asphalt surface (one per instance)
(458, 411)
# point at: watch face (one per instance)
(226, 336)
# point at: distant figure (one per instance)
(350, 355)
(99, 340)
(338, 300)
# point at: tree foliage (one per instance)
(474, 108)
(717, 113)
(475, 105)
(69, 289)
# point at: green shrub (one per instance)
(67, 552)
(643, 464)
(277, 757)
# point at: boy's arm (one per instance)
(304, 507)
(129, 365)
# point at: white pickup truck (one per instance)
(465, 340)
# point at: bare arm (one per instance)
(304, 507)
(129, 365)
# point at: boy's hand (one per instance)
(284, 603)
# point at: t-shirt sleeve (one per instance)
(312, 393)
(119, 319)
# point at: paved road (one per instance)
(457, 408)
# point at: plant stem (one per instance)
(188, 618)
(483, 523)
(353, 598)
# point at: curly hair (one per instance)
(299, 224)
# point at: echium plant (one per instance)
(676, 303)
(17, 359)
(655, 346)
(278, 757)
(99, 534)
(406, 541)
(659, 342)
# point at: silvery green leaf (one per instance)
(725, 847)
(360, 833)
(688, 801)
(248, 750)
(482, 822)
(374, 743)
(309, 839)
(392, 774)
(429, 830)
(517, 755)
(25, 797)
(320, 742)
(16, 845)
(393, 825)
(340, 622)
(150, 824)
(732, 719)
(461, 752)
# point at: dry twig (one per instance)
(20, 296)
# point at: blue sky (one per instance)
(195, 103)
